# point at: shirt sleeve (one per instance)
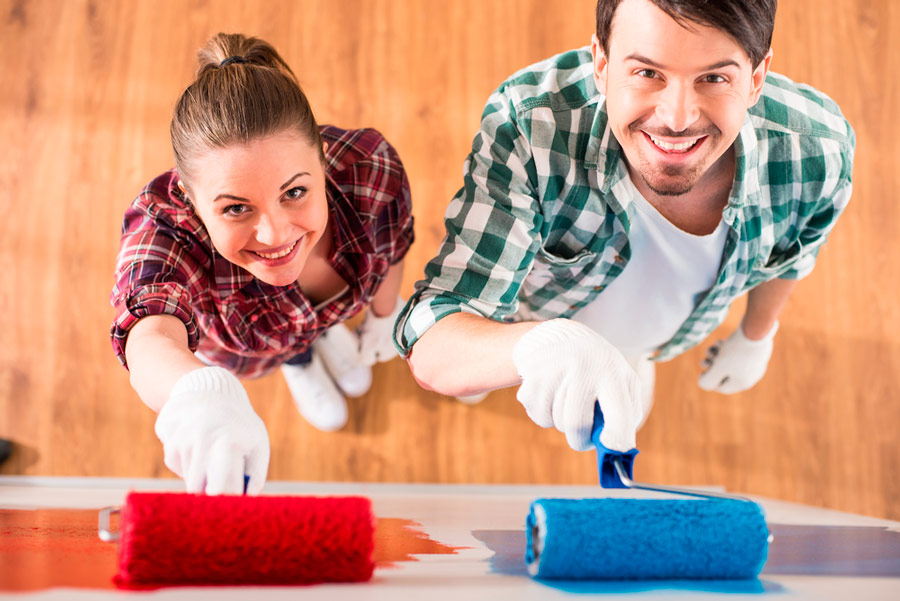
(830, 169)
(394, 233)
(493, 229)
(154, 274)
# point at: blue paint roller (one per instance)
(699, 535)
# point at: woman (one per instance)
(269, 232)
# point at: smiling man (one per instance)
(617, 200)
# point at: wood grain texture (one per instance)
(87, 92)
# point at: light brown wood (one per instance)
(87, 92)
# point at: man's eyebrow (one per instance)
(288, 183)
(719, 65)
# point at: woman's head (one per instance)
(244, 91)
(250, 158)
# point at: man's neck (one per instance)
(699, 210)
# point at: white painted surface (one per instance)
(449, 514)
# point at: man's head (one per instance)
(679, 76)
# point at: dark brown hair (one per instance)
(252, 95)
(749, 22)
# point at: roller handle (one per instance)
(607, 459)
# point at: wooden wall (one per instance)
(87, 90)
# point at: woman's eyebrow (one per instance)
(288, 183)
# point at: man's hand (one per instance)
(376, 343)
(211, 435)
(737, 363)
(565, 368)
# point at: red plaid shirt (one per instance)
(167, 263)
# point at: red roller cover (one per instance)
(189, 539)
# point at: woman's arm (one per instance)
(158, 355)
(385, 300)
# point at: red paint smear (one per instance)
(398, 540)
(47, 548)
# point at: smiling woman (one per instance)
(247, 256)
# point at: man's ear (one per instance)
(601, 64)
(759, 78)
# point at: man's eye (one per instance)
(715, 79)
(648, 73)
(295, 193)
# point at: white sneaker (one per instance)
(339, 349)
(315, 395)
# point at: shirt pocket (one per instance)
(556, 281)
(549, 266)
(778, 262)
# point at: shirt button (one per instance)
(619, 259)
(655, 353)
(253, 318)
(599, 288)
(573, 307)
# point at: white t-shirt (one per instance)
(647, 304)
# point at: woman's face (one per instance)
(263, 203)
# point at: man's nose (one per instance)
(677, 107)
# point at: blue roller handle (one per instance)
(609, 478)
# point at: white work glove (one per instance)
(566, 367)
(211, 435)
(376, 336)
(737, 363)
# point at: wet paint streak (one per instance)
(509, 558)
(47, 548)
(398, 540)
(833, 551)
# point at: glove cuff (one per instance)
(546, 336)
(209, 379)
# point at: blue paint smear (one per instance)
(862, 551)
(509, 558)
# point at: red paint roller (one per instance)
(189, 539)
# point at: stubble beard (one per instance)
(670, 181)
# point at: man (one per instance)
(616, 202)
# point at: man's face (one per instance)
(676, 95)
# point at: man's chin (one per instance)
(668, 186)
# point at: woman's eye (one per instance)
(295, 193)
(235, 210)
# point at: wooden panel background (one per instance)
(87, 90)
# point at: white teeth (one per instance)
(670, 147)
(277, 255)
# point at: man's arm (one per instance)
(739, 362)
(764, 305)
(465, 354)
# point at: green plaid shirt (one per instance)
(541, 225)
